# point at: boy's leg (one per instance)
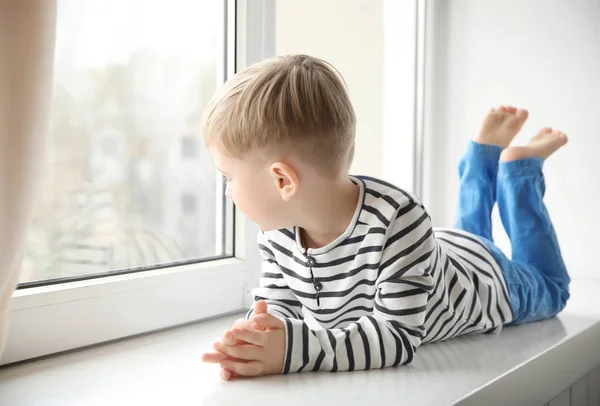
(537, 277)
(478, 169)
(477, 191)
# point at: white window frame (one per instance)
(404, 93)
(51, 319)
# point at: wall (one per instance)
(541, 55)
(584, 392)
(349, 35)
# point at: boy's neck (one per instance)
(329, 213)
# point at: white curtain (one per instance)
(27, 36)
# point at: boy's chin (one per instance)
(266, 228)
(271, 227)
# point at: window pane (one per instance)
(128, 182)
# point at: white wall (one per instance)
(372, 43)
(543, 55)
(349, 35)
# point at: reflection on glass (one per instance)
(128, 182)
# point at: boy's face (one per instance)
(251, 188)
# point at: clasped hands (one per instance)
(251, 347)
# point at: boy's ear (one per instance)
(285, 179)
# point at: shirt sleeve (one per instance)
(281, 301)
(391, 334)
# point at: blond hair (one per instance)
(294, 101)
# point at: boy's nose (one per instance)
(228, 192)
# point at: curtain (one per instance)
(27, 37)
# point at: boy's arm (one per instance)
(273, 288)
(391, 334)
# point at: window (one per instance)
(132, 232)
(129, 185)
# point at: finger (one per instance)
(227, 338)
(214, 357)
(267, 321)
(246, 352)
(227, 375)
(260, 307)
(252, 368)
(244, 324)
(251, 337)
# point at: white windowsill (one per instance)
(523, 365)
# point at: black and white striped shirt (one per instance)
(387, 285)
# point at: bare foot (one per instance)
(501, 125)
(544, 144)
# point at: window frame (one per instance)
(54, 318)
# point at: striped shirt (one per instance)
(387, 285)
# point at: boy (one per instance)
(359, 254)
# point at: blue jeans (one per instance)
(536, 277)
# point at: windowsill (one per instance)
(522, 365)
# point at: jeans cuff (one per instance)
(486, 150)
(521, 167)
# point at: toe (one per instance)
(562, 136)
(507, 109)
(545, 130)
(522, 115)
